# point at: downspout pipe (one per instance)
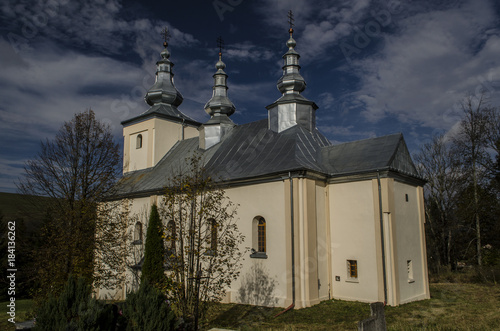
(182, 129)
(384, 272)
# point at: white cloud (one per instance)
(95, 24)
(436, 58)
(320, 25)
(248, 51)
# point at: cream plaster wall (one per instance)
(159, 136)
(138, 156)
(333, 223)
(266, 200)
(322, 232)
(139, 211)
(408, 223)
(352, 226)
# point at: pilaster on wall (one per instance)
(390, 241)
(423, 245)
(305, 242)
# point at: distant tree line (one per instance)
(462, 194)
(74, 172)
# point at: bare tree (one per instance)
(76, 170)
(471, 143)
(440, 166)
(202, 240)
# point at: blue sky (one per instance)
(373, 67)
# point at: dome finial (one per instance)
(290, 21)
(166, 36)
(163, 90)
(220, 103)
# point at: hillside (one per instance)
(19, 206)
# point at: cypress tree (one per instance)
(152, 268)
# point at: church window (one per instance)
(171, 238)
(352, 269)
(259, 235)
(409, 269)
(138, 233)
(262, 235)
(138, 142)
(212, 223)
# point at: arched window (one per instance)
(213, 235)
(259, 235)
(138, 141)
(138, 233)
(171, 237)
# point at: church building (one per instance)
(322, 220)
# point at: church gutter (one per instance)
(382, 235)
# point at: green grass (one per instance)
(23, 313)
(451, 307)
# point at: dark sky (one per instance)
(373, 67)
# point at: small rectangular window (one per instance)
(352, 269)
(409, 269)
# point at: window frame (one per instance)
(409, 271)
(138, 141)
(352, 271)
(259, 241)
(138, 233)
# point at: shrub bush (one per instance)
(74, 309)
(148, 309)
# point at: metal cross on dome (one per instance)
(291, 19)
(166, 36)
(220, 44)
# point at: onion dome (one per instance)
(291, 81)
(163, 90)
(220, 104)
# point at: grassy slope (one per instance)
(23, 309)
(15, 206)
(451, 307)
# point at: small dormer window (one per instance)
(138, 142)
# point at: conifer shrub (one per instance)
(74, 309)
(152, 269)
(148, 309)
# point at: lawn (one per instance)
(451, 307)
(23, 310)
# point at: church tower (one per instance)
(149, 136)
(292, 108)
(219, 107)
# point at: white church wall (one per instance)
(167, 133)
(265, 200)
(139, 210)
(408, 223)
(158, 137)
(352, 226)
(323, 237)
(138, 155)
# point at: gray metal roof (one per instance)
(165, 111)
(252, 150)
(386, 152)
